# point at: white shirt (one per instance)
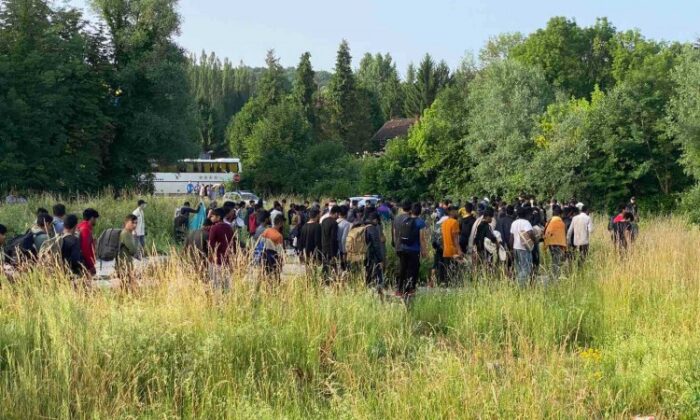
(520, 225)
(141, 222)
(580, 229)
(273, 214)
(343, 230)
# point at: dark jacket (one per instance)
(220, 239)
(503, 227)
(375, 247)
(483, 231)
(329, 238)
(310, 240)
(71, 254)
(465, 229)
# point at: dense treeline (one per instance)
(591, 112)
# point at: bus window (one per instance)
(167, 168)
(190, 167)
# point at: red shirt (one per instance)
(220, 238)
(86, 245)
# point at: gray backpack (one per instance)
(108, 245)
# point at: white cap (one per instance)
(579, 205)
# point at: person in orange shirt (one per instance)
(555, 240)
(273, 247)
(451, 250)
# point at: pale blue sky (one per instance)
(447, 29)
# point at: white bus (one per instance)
(174, 179)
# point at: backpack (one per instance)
(19, 247)
(356, 244)
(52, 248)
(108, 245)
(408, 233)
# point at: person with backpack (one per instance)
(140, 232)
(522, 242)
(343, 230)
(70, 246)
(41, 230)
(129, 249)
(85, 232)
(466, 224)
(329, 242)
(197, 242)
(310, 238)
(375, 253)
(59, 212)
(555, 240)
(181, 222)
(272, 248)
(410, 247)
(485, 232)
(221, 241)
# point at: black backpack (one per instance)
(408, 231)
(108, 245)
(19, 247)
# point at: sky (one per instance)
(447, 29)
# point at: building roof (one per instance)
(391, 129)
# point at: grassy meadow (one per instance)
(618, 338)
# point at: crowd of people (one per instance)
(338, 238)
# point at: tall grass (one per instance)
(617, 338)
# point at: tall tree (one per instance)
(153, 113)
(305, 88)
(52, 98)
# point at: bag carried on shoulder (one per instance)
(108, 245)
(356, 245)
(19, 247)
(527, 241)
(408, 232)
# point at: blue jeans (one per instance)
(523, 266)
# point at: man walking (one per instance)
(580, 233)
(128, 250)
(85, 229)
(220, 240)
(140, 232)
(451, 250)
(329, 242)
(343, 230)
(522, 242)
(411, 245)
(555, 240)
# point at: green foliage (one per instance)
(422, 85)
(378, 76)
(505, 101)
(153, 114)
(574, 59)
(396, 173)
(52, 98)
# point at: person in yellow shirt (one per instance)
(555, 240)
(450, 240)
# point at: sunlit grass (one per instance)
(617, 338)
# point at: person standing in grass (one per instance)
(329, 242)
(580, 233)
(376, 252)
(41, 230)
(70, 246)
(343, 230)
(273, 248)
(220, 240)
(59, 212)
(87, 242)
(555, 240)
(451, 250)
(140, 232)
(413, 245)
(310, 238)
(128, 250)
(485, 231)
(522, 241)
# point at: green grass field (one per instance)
(618, 338)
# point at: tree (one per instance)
(499, 47)
(305, 88)
(505, 101)
(348, 120)
(378, 76)
(397, 173)
(573, 58)
(153, 112)
(684, 110)
(52, 98)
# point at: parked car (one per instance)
(238, 196)
(366, 200)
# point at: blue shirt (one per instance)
(57, 225)
(415, 247)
